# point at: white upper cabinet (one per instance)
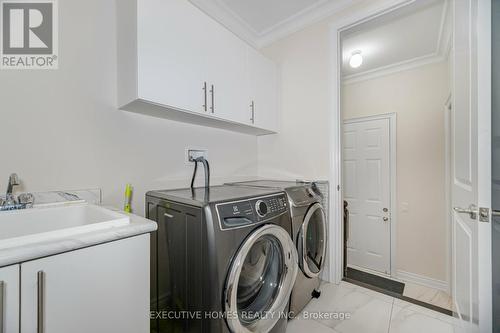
(263, 90)
(176, 62)
(171, 61)
(226, 70)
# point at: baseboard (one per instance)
(370, 271)
(423, 280)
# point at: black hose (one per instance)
(207, 172)
(206, 167)
(194, 173)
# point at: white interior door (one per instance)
(367, 175)
(471, 171)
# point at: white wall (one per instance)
(61, 129)
(302, 148)
(418, 97)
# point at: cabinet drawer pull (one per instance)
(40, 301)
(212, 91)
(170, 216)
(252, 107)
(1, 305)
(205, 96)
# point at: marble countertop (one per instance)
(138, 225)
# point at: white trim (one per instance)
(447, 186)
(440, 42)
(367, 270)
(392, 117)
(223, 14)
(438, 55)
(393, 68)
(335, 175)
(303, 19)
(423, 280)
(484, 108)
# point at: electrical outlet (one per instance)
(192, 154)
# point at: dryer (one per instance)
(309, 232)
(222, 260)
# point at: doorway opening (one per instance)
(394, 97)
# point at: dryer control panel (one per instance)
(251, 211)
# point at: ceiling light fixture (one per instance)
(356, 59)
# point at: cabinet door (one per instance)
(263, 90)
(171, 39)
(9, 299)
(226, 71)
(103, 288)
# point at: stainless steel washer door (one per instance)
(312, 241)
(260, 280)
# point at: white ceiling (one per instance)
(414, 33)
(263, 15)
(261, 22)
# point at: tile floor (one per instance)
(428, 295)
(368, 311)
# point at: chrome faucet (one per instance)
(24, 200)
(9, 197)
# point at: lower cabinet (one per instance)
(9, 299)
(103, 288)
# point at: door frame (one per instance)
(392, 117)
(336, 230)
(447, 114)
(484, 104)
(335, 269)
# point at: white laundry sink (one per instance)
(32, 225)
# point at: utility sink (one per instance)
(33, 225)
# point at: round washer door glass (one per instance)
(260, 278)
(260, 281)
(313, 245)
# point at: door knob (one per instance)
(385, 219)
(471, 211)
(385, 210)
(474, 212)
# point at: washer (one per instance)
(223, 256)
(309, 232)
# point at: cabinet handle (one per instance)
(252, 108)
(205, 96)
(1, 305)
(40, 301)
(170, 216)
(212, 91)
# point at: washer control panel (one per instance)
(262, 208)
(275, 204)
(247, 212)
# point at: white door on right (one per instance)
(366, 173)
(471, 165)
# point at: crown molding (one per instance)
(220, 12)
(393, 68)
(441, 53)
(303, 19)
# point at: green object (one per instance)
(128, 198)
